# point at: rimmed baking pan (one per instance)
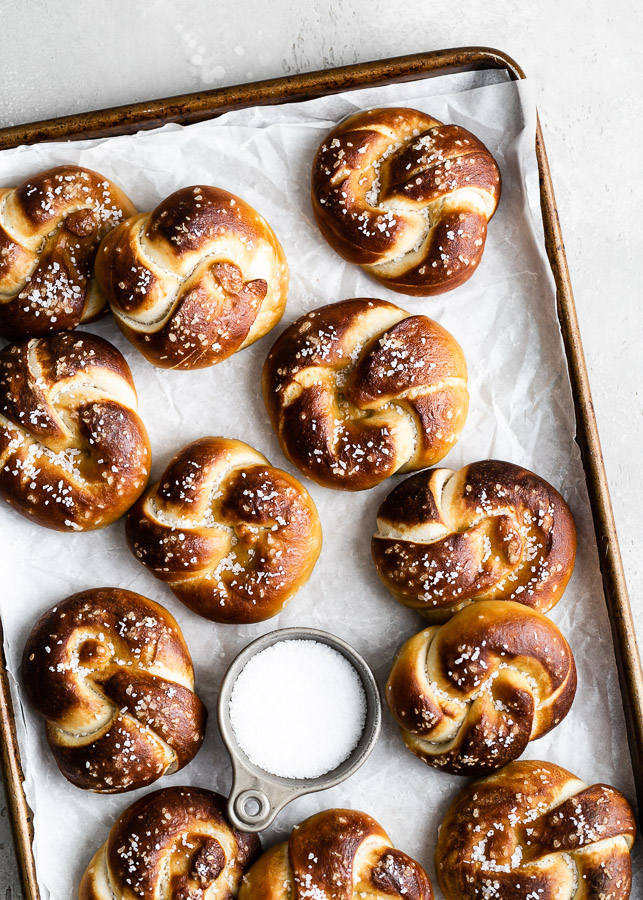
(190, 108)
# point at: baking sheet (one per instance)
(521, 410)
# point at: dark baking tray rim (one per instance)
(186, 109)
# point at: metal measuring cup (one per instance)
(258, 796)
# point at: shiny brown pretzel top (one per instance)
(234, 537)
(338, 854)
(470, 694)
(360, 389)
(50, 229)
(405, 197)
(534, 830)
(74, 454)
(200, 277)
(110, 673)
(172, 844)
(491, 531)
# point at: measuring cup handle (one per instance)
(253, 802)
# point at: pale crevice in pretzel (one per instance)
(346, 412)
(106, 889)
(159, 315)
(408, 259)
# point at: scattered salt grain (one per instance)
(298, 709)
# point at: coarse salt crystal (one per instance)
(298, 709)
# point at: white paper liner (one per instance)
(521, 411)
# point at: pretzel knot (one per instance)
(341, 854)
(233, 537)
(405, 197)
(197, 279)
(74, 454)
(50, 229)
(172, 844)
(535, 830)
(111, 674)
(469, 695)
(360, 389)
(491, 531)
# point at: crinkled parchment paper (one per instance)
(521, 410)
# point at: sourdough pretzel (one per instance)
(340, 854)
(533, 830)
(172, 844)
(110, 673)
(405, 197)
(74, 454)
(50, 229)
(491, 531)
(197, 279)
(360, 389)
(233, 537)
(470, 694)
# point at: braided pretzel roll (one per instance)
(74, 454)
(470, 695)
(340, 854)
(534, 830)
(172, 844)
(405, 197)
(110, 673)
(233, 537)
(491, 531)
(197, 279)
(360, 389)
(50, 229)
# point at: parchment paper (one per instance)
(521, 410)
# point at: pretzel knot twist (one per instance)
(405, 197)
(469, 695)
(172, 844)
(197, 279)
(50, 229)
(110, 673)
(74, 454)
(491, 531)
(234, 537)
(360, 389)
(338, 853)
(535, 830)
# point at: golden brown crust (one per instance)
(172, 844)
(491, 531)
(74, 454)
(234, 537)
(110, 673)
(534, 830)
(360, 389)
(50, 229)
(470, 694)
(338, 853)
(405, 197)
(197, 279)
